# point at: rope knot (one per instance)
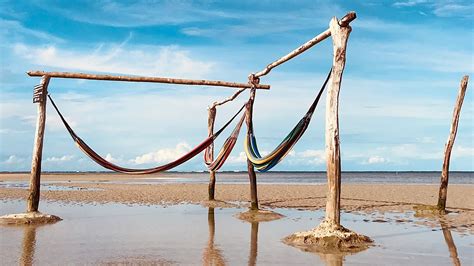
(254, 81)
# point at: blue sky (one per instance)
(404, 63)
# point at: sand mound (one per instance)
(259, 216)
(29, 218)
(329, 238)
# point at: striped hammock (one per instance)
(265, 163)
(224, 152)
(106, 164)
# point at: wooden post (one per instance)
(212, 174)
(340, 35)
(40, 97)
(443, 189)
(250, 168)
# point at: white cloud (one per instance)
(461, 151)
(454, 10)
(13, 159)
(12, 29)
(408, 3)
(64, 158)
(441, 8)
(163, 155)
(376, 160)
(241, 158)
(119, 58)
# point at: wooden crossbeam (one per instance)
(216, 83)
(322, 36)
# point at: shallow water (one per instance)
(192, 234)
(49, 186)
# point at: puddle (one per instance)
(192, 234)
(45, 186)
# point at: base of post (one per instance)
(29, 218)
(328, 238)
(218, 204)
(428, 210)
(259, 216)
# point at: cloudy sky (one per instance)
(405, 60)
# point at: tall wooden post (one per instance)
(40, 96)
(212, 174)
(250, 168)
(340, 35)
(443, 189)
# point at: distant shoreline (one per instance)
(234, 172)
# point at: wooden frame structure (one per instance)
(40, 96)
(339, 30)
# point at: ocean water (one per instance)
(308, 178)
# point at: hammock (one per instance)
(225, 150)
(265, 163)
(106, 164)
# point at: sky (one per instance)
(405, 60)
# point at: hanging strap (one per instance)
(265, 163)
(106, 164)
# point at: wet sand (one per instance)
(366, 198)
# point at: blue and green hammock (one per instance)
(265, 163)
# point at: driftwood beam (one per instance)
(443, 189)
(344, 22)
(216, 83)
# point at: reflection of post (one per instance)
(253, 244)
(33, 198)
(28, 245)
(212, 255)
(453, 253)
(443, 189)
(332, 259)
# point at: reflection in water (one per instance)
(253, 244)
(212, 255)
(332, 259)
(28, 245)
(453, 253)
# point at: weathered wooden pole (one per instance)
(250, 168)
(212, 173)
(201, 82)
(443, 189)
(40, 94)
(212, 111)
(340, 35)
